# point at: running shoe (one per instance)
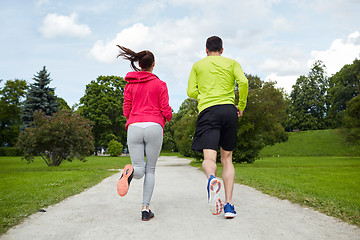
(213, 188)
(125, 179)
(146, 215)
(229, 211)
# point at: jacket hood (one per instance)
(138, 77)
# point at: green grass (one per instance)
(328, 184)
(309, 171)
(169, 153)
(313, 143)
(313, 168)
(25, 188)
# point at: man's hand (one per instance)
(239, 113)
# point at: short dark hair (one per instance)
(214, 44)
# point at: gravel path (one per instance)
(181, 212)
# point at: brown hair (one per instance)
(145, 58)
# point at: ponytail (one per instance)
(145, 58)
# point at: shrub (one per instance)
(64, 136)
(114, 148)
(351, 120)
(10, 151)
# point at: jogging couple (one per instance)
(146, 107)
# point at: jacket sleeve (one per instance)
(166, 110)
(192, 90)
(127, 102)
(243, 84)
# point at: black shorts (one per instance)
(216, 126)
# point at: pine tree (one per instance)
(39, 97)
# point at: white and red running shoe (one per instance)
(213, 188)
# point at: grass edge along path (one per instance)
(330, 185)
(26, 188)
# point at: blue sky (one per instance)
(76, 39)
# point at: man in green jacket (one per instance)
(212, 83)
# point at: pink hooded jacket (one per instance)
(146, 99)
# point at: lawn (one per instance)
(328, 142)
(328, 184)
(315, 168)
(25, 188)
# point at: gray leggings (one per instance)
(145, 141)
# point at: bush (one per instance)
(259, 126)
(114, 148)
(351, 120)
(10, 151)
(64, 136)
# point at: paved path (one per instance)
(181, 212)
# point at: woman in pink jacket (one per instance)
(146, 107)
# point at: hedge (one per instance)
(10, 151)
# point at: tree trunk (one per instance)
(96, 150)
(47, 161)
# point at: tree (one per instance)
(184, 127)
(63, 136)
(168, 140)
(184, 130)
(308, 99)
(102, 104)
(351, 120)
(11, 100)
(62, 104)
(261, 123)
(114, 148)
(39, 97)
(259, 126)
(344, 86)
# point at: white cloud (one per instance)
(285, 71)
(281, 24)
(58, 25)
(171, 40)
(283, 67)
(338, 8)
(133, 38)
(285, 82)
(149, 8)
(178, 42)
(175, 44)
(39, 3)
(341, 52)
